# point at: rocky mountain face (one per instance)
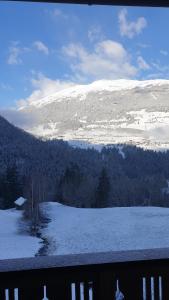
(104, 112)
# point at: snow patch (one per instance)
(13, 242)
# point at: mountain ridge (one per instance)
(103, 112)
(96, 86)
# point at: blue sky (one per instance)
(47, 47)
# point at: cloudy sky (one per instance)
(46, 47)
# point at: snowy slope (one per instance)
(75, 230)
(14, 243)
(103, 112)
(81, 91)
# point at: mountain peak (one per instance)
(103, 112)
(82, 90)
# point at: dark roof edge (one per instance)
(146, 3)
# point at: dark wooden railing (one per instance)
(139, 275)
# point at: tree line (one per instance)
(54, 171)
(87, 178)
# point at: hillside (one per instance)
(117, 176)
(103, 112)
(25, 159)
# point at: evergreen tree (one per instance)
(70, 185)
(103, 189)
(11, 188)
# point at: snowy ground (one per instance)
(75, 230)
(13, 242)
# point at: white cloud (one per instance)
(59, 13)
(154, 76)
(108, 60)
(5, 86)
(164, 52)
(42, 87)
(56, 14)
(143, 65)
(161, 68)
(41, 47)
(95, 34)
(14, 55)
(143, 45)
(16, 50)
(130, 28)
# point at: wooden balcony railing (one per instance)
(140, 275)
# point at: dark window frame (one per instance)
(146, 3)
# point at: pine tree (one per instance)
(12, 188)
(69, 184)
(103, 189)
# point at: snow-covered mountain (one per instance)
(104, 112)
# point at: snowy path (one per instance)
(75, 230)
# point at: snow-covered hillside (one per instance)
(75, 230)
(82, 91)
(14, 242)
(103, 112)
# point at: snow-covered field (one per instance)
(75, 230)
(13, 242)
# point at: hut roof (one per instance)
(20, 201)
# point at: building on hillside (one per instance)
(20, 203)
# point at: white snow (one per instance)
(143, 123)
(97, 86)
(20, 201)
(121, 152)
(86, 145)
(45, 131)
(145, 120)
(76, 230)
(13, 242)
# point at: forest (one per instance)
(54, 171)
